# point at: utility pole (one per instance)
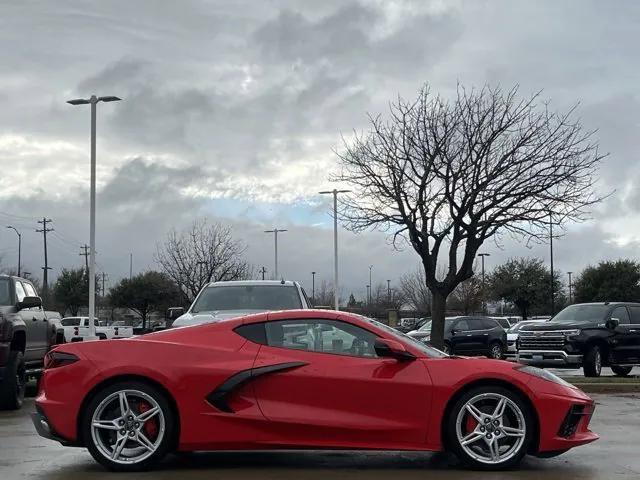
(104, 276)
(389, 291)
(370, 285)
(19, 246)
(85, 254)
(130, 265)
(335, 193)
(45, 276)
(484, 295)
(551, 253)
(313, 287)
(263, 271)
(570, 285)
(275, 232)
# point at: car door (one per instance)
(36, 346)
(461, 336)
(333, 390)
(625, 342)
(44, 329)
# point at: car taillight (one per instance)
(55, 359)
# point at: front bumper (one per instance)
(548, 358)
(44, 429)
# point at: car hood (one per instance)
(209, 317)
(546, 326)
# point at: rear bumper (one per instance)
(544, 358)
(44, 428)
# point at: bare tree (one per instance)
(414, 291)
(467, 296)
(201, 254)
(324, 294)
(447, 175)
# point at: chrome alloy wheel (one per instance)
(491, 428)
(496, 351)
(128, 426)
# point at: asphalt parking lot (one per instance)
(25, 455)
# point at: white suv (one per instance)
(223, 300)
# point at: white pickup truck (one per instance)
(76, 329)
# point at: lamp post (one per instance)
(389, 291)
(313, 288)
(484, 301)
(369, 295)
(570, 285)
(93, 101)
(370, 286)
(551, 255)
(275, 232)
(19, 246)
(335, 193)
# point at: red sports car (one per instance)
(300, 380)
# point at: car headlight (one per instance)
(544, 374)
(571, 333)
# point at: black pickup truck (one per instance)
(588, 335)
(27, 333)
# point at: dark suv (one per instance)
(469, 336)
(588, 335)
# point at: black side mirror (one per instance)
(29, 302)
(174, 312)
(392, 349)
(612, 323)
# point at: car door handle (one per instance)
(469, 334)
(485, 334)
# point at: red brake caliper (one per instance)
(151, 426)
(470, 424)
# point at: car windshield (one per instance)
(70, 322)
(5, 292)
(516, 328)
(248, 297)
(404, 338)
(582, 314)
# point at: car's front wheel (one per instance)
(129, 426)
(490, 428)
(592, 364)
(496, 350)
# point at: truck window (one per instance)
(635, 315)
(621, 314)
(28, 288)
(70, 322)
(5, 293)
(19, 291)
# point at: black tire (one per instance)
(621, 371)
(167, 443)
(12, 386)
(592, 362)
(451, 438)
(446, 348)
(496, 350)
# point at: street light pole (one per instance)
(569, 273)
(313, 288)
(484, 295)
(370, 286)
(93, 101)
(551, 254)
(335, 193)
(369, 296)
(389, 291)
(275, 235)
(19, 246)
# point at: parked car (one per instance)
(409, 324)
(512, 338)
(588, 335)
(468, 336)
(27, 333)
(225, 300)
(303, 379)
(76, 329)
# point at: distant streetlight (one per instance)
(551, 255)
(313, 288)
(484, 299)
(389, 291)
(19, 246)
(570, 285)
(275, 232)
(370, 285)
(335, 193)
(369, 295)
(93, 101)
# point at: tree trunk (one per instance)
(438, 307)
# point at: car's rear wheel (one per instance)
(621, 371)
(592, 363)
(12, 386)
(446, 348)
(128, 426)
(490, 428)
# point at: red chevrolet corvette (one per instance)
(300, 380)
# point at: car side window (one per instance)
(488, 324)
(322, 336)
(30, 291)
(19, 291)
(462, 326)
(621, 314)
(635, 315)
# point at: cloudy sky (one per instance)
(231, 110)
